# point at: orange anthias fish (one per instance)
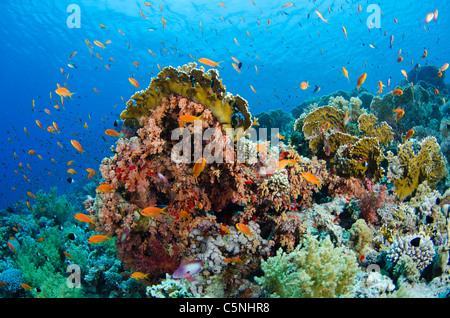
(345, 72)
(400, 112)
(153, 211)
(345, 32)
(360, 80)
(380, 87)
(320, 16)
(71, 171)
(304, 85)
(105, 188)
(409, 134)
(425, 53)
(310, 177)
(397, 92)
(83, 218)
(138, 275)
(91, 171)
(243, 228)
(112, 133)
(209, 62)
(99, 44)
(198, 168)
(64, 92)
(98, 238)
(404, 74)
(189, 118)
(134, 82)
(444, 67)
(77, 146)
(284, 162)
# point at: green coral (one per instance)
(313, 269)
(52, 206)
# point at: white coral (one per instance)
(422, 255)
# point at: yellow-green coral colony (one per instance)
(195, 84)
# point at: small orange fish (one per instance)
(199, 166)
(400, 112)
(39, 124)
(345, 72)
(64, 92)
(222, 5)
(444, 67)
(251, 86)
(310, 177)
(436, 91)
(404, 74)
(304, 85)
(209, 62)
(40, 239)
(345, 32)
(243, 228)
(31, 152)
(224, 229)
(31, 195)
(183, 215)
(142, 14)
(138, 275)
(105, 188)
(284, 162)
(425, 53)
(153, 211)
(399, 59)
(25, 286)
(98, 238)
(380, 87)
(134, 82)
(88, 43)
(112, 133)
(397, 92)
(11, 247)
(409, 134)
(77, 146)
(99, 44)
(189, 118)
(71, 171)
(360, 80)
(439, 74)
(320, 16)
(91, 171)
(67, 254)
(83, 218)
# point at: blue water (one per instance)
(296, 46)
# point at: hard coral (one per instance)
(419, 162)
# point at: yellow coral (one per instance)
(364, 158)
(315, 120)
(368, 124)
(195, 84)
(428, 164)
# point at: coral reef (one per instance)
(314, 269)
